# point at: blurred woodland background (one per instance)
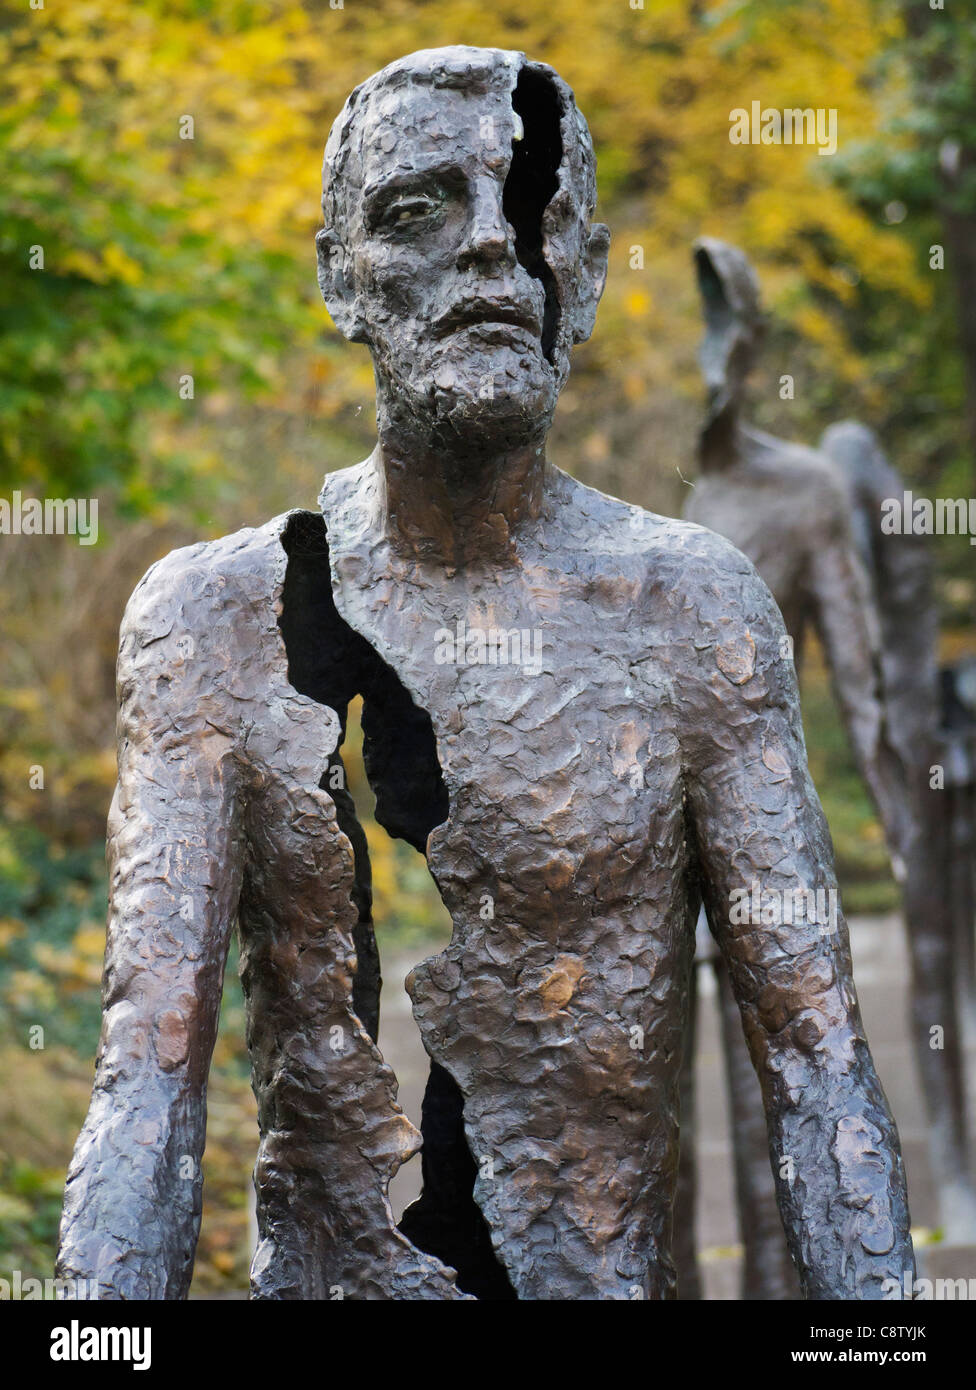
(166, 256)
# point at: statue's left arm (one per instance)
(771, 897)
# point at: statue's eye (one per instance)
(406, 212)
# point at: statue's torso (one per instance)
(558, 1006)
(559, 841)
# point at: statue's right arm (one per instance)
(133, 1195)
(771, 898)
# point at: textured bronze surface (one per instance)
(937, 894)
(810, 520)
(611, 734)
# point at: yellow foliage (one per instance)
(10, 929)
(89, 941)
(122, 266)
(26, 987)
(657, 85)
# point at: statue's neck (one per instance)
(456, 510)
(720, 442)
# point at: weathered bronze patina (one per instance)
(810, 521)
(579, 711)
(937, 888)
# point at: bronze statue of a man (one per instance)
(578, 710)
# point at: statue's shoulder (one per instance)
(706, 601)
(202, 655)
(219, 600)
(685, 578)
(706, 573)
(668, 551)
(199, 584)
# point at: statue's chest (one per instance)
(555, 736)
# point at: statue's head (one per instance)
(459, 186)
(734, 321)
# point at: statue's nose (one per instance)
(488, 238)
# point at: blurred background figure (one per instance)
(811, 523)
(931, 713)
(928, 723)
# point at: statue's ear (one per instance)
(593, 282)
(336, 285)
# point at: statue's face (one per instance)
(469, 316)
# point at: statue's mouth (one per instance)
(489, 313)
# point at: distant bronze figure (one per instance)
(789, 509)
(785, 507)
(928, 724)
(577, 710)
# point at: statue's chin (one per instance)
(509, 419)
(485, 402)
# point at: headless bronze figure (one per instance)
(573, 809)
(790, 510)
